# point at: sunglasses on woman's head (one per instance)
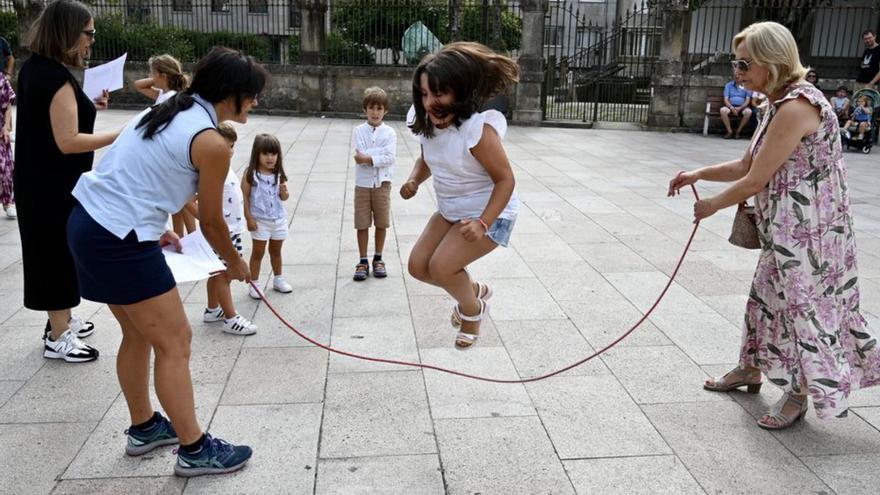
(741, 65)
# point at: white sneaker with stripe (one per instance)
(212, 315)
(239, 325)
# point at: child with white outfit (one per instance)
(220, 306)
(462, 151)
(264, 189)
(375, 146)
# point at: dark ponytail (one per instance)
(220, 74)
(160, 116)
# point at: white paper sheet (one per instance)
(196, 262)
(105, 76)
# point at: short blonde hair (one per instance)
(773, 46)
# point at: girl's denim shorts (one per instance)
(500, 231)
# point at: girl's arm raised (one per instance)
(65, 125)
(145, 87)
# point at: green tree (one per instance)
(381, 23)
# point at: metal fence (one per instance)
(829, 33)
(401, 32)
(599, 72)
(358, 32)
(266, 29)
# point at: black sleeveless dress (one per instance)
(43, 180)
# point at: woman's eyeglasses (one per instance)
(90, 33)
(741, 65)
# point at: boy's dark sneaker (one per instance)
(379, 269)
(215, 456)
(141, 441)
(361, 272)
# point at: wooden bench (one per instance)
(714, 103)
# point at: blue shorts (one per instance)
(113, 270)
(500, 231)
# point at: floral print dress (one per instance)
(803, 328)
(7, 164)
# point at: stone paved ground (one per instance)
(595, 241)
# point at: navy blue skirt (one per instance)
(111, 270)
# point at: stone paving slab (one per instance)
(53, 394)
(41, 453)
(590, 417)
(499, 456)
(650, 475)
(853, 474)
(727, 453)
(169, 485)
(285, 376)
(289, 430)
(376, 414)
(394, 475)
(594, 242)
(103, 454)
(453, 397)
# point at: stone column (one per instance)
(313, 32)
(531, 62)
(668, 81)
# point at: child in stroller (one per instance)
(860, 131)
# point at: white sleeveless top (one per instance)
(264, 200)
(462, 184)
(139, 182)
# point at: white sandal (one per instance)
(467, 340)
(775, 420)
(484, 292)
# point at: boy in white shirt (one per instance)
(220, 306)
(375, 147)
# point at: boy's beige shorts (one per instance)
(372, 205)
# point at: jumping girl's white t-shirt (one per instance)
(462, 184)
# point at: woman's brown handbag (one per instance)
(745, 228)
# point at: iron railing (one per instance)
(401, 32)
(358, 32)
(599, 72)
(828, 32)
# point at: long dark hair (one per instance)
(56, 32)
(470, 71)
(265, 143)
(218, 75)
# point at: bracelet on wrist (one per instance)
(483, 223)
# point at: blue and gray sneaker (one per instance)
(141, 441)
(215, 456)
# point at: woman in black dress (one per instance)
(55, 145)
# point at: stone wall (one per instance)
(306, 90)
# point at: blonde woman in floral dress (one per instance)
(803, 329)
(7, 163)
